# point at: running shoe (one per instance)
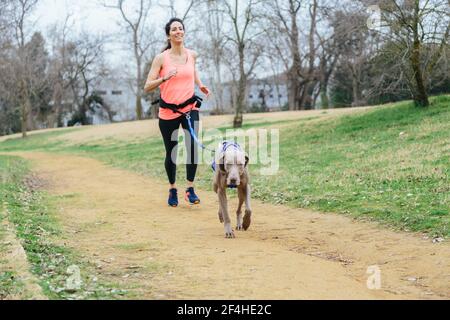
(173, 198)
(191, 197)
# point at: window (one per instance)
(116, 92)
(100, 92)
(250, 96)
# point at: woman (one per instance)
(174, 72)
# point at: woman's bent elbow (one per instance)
(148, 89)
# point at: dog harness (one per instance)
(225, 146)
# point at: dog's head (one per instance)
(232, 161)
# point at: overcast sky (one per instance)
(88, 15)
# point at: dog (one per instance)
(231, 171)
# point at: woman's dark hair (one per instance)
(168, 30)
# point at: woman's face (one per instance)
(176, 32)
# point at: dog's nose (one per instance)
(233, 181)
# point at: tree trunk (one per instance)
(242, 88)
(25, 109)
(420, 96)
(293, 89)
(240, 103)
(324, 95)
(294, 72)
(24, 119)
(139, 111)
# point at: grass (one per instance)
(31, 212)
(10, 284)
(390, 164)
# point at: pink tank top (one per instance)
(177, 89)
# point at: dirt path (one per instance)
(120, 221)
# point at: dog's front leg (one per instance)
(241, 196)
(248, 209)
(223, 203)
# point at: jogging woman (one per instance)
(174, 72)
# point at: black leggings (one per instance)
(167, 128)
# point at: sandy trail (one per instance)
(120, 221)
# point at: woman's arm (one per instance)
(198, 82)
(153, 79)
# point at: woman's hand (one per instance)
(170, 74)
(205, 90)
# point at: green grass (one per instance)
(390, 164)
(9, 284)
(31, 212)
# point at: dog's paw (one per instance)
(239, 221)
(247, 219)
(229, 234)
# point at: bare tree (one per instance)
(243, 37)
(76, 67)
(83, 66)
(297, 49)
(21, 10)
(211, 47)
(60, 72)
(353, 39)
(141, 36)
(418, 33)
(284, 32)
(176, 13)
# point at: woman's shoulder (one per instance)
(193, 53)
(159, 58)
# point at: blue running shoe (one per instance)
(173, 198)
(191, 197)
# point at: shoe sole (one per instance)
(192, 203)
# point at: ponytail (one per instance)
(168, 46)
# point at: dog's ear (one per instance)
(220, 161)
(246, 160)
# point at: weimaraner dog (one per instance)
(232, 172)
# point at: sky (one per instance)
(90, 16)
(86, 14)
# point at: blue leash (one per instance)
(192, 132)
(193, 135)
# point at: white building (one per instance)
(118, 94)
(120, 97)
(268, 94)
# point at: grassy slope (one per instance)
(10, 284)
(390, 164)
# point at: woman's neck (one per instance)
(177, 49)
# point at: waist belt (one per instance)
(174, 107)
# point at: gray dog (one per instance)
(232, 172)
